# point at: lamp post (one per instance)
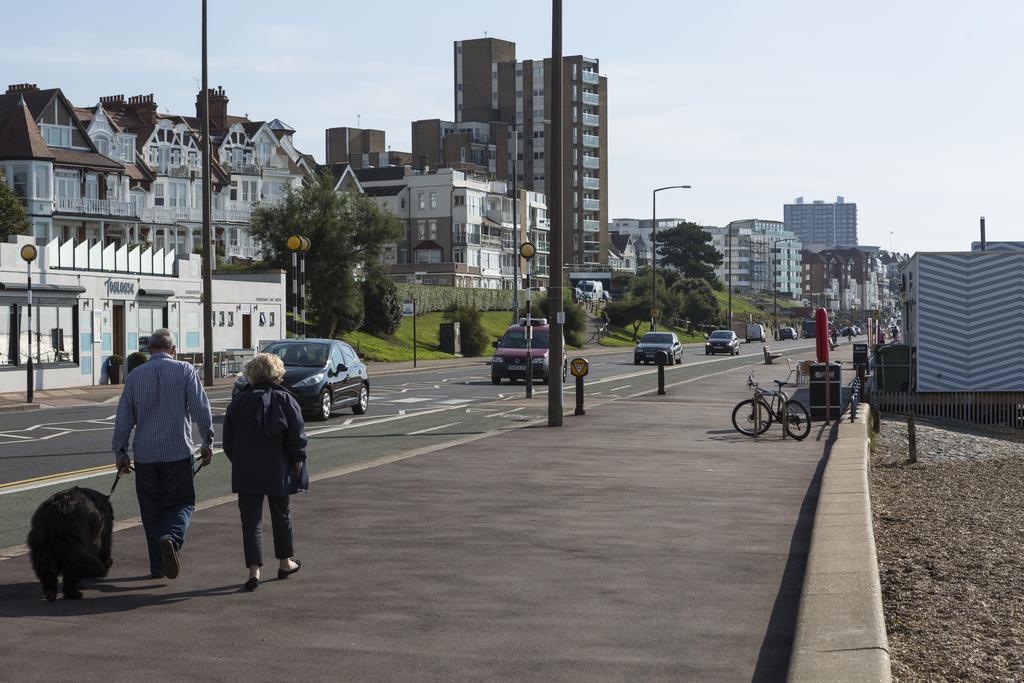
(527, 251)
(209, 253)
(654, 249)
(299, 245)
(28, 255)
(556, 314)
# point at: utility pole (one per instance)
(515, 222)
(556, 314)
(728, 237)
(208, 252)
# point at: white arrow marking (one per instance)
(433, 429)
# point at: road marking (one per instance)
(433, 429)
(457, 401)
(507, 412)
(61, 477)
(621, 388)
(347, 422)
(411, 399)
(14, 436)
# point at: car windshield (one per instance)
(721, 335)
(301, 355)
(656, 338)
(516, 339)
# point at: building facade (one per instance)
(492, 85)
(361, 148)
(820, 225)
(846, 281)
(758, 256)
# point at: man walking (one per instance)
(161, 398)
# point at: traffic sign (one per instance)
(654, 311)
(407, 308)
(579, 367)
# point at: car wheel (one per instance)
(636, 361)
(495, 380)
(326, 405)
(364, 400)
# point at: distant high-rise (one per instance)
(492, 86)
(820, 225)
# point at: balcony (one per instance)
(591, 183)
(172, 215)
(490, 241)
(591, 141)
(592, 205)
(96, 207)
(590, 77)
(181, 171)
(591, 120)
(461, 240)
(591, 226)
(591, 98)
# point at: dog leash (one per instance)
(117, 479)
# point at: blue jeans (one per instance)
(167, 498)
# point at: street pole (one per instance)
(302, 290)
(515, 223)
(414, 331)
(29, 254)
(654, 253)
(556, 317)
(295, 294)
(527, 250)
(208, 251)
(728, 237)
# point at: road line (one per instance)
(347, 422)
(621, 388)
(432, 429)
(14, 436)
(50, 479)
(507, 412)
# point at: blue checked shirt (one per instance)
(160, 400)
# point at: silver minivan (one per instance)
(755, 332)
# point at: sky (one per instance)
(911, 109)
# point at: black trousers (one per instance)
(251, 508)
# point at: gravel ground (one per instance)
(950, 536)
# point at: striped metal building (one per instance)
(963, 314)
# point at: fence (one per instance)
(980, 407)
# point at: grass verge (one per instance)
(398, 347)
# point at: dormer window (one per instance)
(56, 136)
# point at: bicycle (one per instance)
(755, 415)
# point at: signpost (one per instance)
(299, 245)
(28, 255)
(409, 309)
(579, 367)
(528, 251)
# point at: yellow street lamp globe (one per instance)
(306, 244)
(527, 250)
(294, 242)
(29, 253)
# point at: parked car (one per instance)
(509, 360)
(755, 332)
(650, 344)
(723, 341)
(322, 374)
(787, 333)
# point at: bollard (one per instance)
(579, 397)
(661, 358)
(579, 367)
(912, 436)
(876, 419)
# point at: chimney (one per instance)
(22, 87)
(218, 107)
(113, 102)
(983, 245)
(144, 107)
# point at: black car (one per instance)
(722, 341)
(787, 333)
(322, 374)
(651, 343)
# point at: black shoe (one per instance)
(285, 573)
(156, 575)
(171, 566)
(252, 583)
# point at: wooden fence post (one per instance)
(912, 436)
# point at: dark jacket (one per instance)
(263, 437)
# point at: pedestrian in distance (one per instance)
(160, 401)
(265, 441)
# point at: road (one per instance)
(43, 451)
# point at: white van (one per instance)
(592, 289)
(755, 332)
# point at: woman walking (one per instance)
(265, 442)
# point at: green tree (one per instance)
(576, 320)
(346, 230)
(700, 307)
(382, 304)
(669, 299)
(687, 248)
(13, 217)
(627, 313)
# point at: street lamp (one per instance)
(299, 245)
(527, 251)
(654, 249)
(28, 255)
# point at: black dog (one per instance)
(70, 536)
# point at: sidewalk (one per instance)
(645, 540)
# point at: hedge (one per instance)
(431, 298)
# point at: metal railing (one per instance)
(978, 407)
(591, 77)
(96, 207)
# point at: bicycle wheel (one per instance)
(797, 421)
(744, 421)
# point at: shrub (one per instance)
(383, 307)
(135, 359)
(576, 320)
(431, 298)
(116, 359)
(471, 329)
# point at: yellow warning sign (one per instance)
(579, 367)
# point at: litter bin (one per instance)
(450, 338)
(816, 389)
(892, 367)
(860, 354)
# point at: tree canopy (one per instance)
(687, 248)
(347, 231)
(13, 217)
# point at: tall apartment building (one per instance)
(820, 225)
(361, 148)
(473, 147)
(492, 85)
(764, 256)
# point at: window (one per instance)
(56, 136)
(460, 200)
(53, 338)
(420, 200)
(7, 348)
(428, 256)
(177, 194)
(234, 190)
(19, 178)
(67, 185)
(433, 200)
(263, 152)
(158, 194)
(433, 230)
(103, 145)
(421, 229)
(92, 186)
